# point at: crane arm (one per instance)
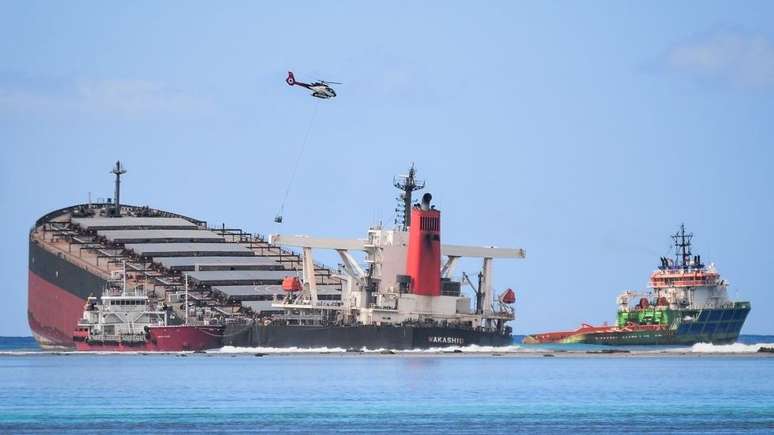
(359, 245)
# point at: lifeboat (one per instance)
(291, 284)
(508, 297)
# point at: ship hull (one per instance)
(664, 337)
(359, 337)
(56, 293)
(716, 326)
(162, 339)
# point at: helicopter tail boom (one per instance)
(291, 81)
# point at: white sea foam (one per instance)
(288, 350)
(268, 350)
(473, 348)
(318, 350)
(699, 348)
(728, 348)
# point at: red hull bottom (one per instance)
(164, 339)
(52, 313)
(556, 337)
(563, 336)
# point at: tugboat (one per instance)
(688, 304)
(127, 320)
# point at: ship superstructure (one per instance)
(688, 303)
(686, 282)
(404, 282)
(119, 316)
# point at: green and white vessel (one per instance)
(688, 303)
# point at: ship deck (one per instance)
(159, 248)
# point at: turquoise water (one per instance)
(518, 391)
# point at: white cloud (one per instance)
(742, 59)
(122, 97)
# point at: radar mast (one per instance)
(682, 247)
(407, 184)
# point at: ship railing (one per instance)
(98, 204)
(692, 283)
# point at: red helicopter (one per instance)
(320, 89)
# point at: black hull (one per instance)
(53, 268)
(358, 337)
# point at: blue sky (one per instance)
(582, 132)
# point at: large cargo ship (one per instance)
(688, 303)
(215, 285)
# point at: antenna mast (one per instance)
(407, 184)
(118, 171)
(682, 246)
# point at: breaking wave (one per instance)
(268, 350)
(319, 350)
(696, 349)
(473, 348)
(729, 348)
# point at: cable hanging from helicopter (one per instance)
(320, 89)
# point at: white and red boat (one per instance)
(127, 320)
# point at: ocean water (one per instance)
(700, 389)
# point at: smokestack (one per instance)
(423, 261)
(426, 198)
